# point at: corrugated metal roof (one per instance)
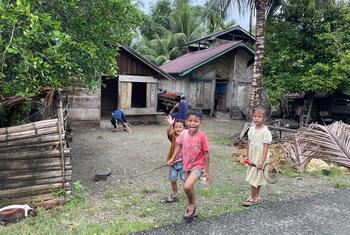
(188, 62)
(227, 31)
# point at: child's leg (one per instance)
(254, 192)
(174, 187)
(189, 190)
(258, 192)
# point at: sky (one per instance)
(242, 21)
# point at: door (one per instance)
(109, 95)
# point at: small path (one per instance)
(323, 213)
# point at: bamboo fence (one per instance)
(35, 162)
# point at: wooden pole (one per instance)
(23, 155)
(60, 125)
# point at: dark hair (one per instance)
(181, 121)
(195, 113)
(259, 109)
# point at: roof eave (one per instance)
(149, 63)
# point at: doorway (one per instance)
(109, 96)
(220, 95)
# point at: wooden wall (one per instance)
(125, 94)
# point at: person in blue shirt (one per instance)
(118, 118)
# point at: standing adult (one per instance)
(182, 107)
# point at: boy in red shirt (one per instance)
(194, 147)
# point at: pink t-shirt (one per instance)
(193, 149)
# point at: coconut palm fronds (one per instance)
(297, 150)
(330, 143)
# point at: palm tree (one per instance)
(185, 21)
(162, 49)
(262, 8)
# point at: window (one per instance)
(139, 95)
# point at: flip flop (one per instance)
(171, 199)
(249, 202)
(187, 216)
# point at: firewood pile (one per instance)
(277, 159)
(35, 162)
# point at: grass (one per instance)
(221, 140)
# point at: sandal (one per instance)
(189, 216)
(171, 199)
(249, 202)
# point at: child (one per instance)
(259, 139)
(176, 169)
(193, 144)
(118, 117)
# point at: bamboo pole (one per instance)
(36, 175)
(6, 173)
(37, 164)
(28, 134)
(33, 146)
(60, 126)
(31, 190)
(35, 198)
(33, 182)
(29, 126)
(33, 154)
(39, 139)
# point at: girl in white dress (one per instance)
(259, 139)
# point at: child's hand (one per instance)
(170, 162)
(207, 177)
(260, 166)
(170, 120)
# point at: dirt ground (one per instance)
(142, 198)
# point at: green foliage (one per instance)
(161, 50)
(61, 43)
(157, 20)
(307, 48)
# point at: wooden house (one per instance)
(134, 91)
(216, 78)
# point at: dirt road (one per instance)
(141, 199)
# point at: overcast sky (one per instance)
(242, 21)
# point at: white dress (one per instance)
(257, 139)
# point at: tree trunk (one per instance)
(256, 98)
(310, 103)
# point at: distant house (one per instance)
(134, 91)
(216, 78)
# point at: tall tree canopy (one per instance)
(60, 43)
(308, 48)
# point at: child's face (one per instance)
(193, 122)
(178, 127)
(258, 118)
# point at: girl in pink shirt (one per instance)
(193, 144)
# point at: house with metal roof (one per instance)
(217, 78)
(134, 91)
(235, 33)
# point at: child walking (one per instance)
(259, 139)
(193, 144)
(174, 129)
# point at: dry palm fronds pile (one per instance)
(277, 159)
(330, 143)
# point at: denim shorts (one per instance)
(176, 171)
(198, 172)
